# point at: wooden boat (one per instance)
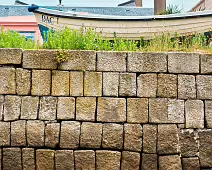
(129, 27)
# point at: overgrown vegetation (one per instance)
(90, 40)
(172, 9)
(12, 39)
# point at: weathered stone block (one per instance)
(133, 137)
(149, 161)
(111, 61)
(4, 133)
(23, 81)
(137, 110)
(112, 136)
(28, 158)
(167, 85)
(190, 163)
(205, 147)
(12, 159)
(66, 108)
(181, 126)
(176, 113)
(186, 87)
(194, 114)
(29, 107)
(110, 83)
(41, 82)
(93, 84)
(35, 133)
(12, 108)
(60, 83)
(70, 134)
(108, 160)
(18, 133)
(10, 55)
(188, 142)
(44, 159)
(39, 59)
(52, 132)
(158, 110)
(85, 108)
(80, 60)
(76, 83)
(204, 87)
(162, 110)
(64, 159)
(206, 63)
(91, 135)
(170, 162)
(168, 142)
(111, 110)
(130, 160)
(208, 113)
(84, 159)
(183, 62)
(149, 138)
(127, 86)
(7, 81)
(147, 85)
(48, 106)
(147, 62)
(1, 107)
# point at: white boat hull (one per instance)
(128, 27)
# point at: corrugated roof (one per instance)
(12, 10)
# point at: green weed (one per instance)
(171, 9)
(88, 39)
(12, 39)
(62, 56)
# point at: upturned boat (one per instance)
(129, 27)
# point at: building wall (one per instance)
(105, 110)
(20, 24)
(208, 4)
(203, 5)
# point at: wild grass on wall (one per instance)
(90, 40)
(190, 43)
(86, 40)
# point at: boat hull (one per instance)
(126, 27)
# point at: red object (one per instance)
(21, 24)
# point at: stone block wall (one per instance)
(105, 111)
